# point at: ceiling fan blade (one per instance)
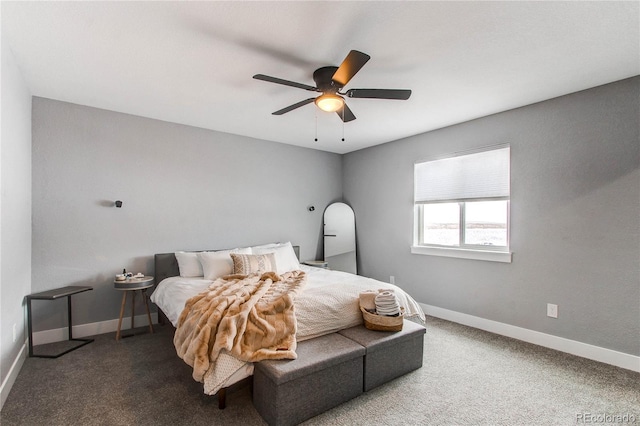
(284, 82)
(294, 106)
(379, 93)
(350, 66)
(345, 114)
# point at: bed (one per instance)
(327, 303)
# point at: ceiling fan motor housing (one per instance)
(324, 79)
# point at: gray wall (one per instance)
(575, 219)
(15, 208)
(183, 188)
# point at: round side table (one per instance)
(132, 285)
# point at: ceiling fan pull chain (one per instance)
(316, 119)
(343, 108)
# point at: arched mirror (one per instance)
(340, 238)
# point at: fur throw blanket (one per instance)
(250, 316)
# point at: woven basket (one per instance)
(382, 322)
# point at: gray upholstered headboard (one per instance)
(166, 264)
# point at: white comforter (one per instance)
(328, 303)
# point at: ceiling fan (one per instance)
(329, 82)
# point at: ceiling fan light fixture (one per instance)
(329, 102)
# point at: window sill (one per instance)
(488, 255)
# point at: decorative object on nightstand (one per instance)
(53, 295)
(126, 284)
(316, 263)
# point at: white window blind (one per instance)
(482, 175)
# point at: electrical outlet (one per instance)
(552, 310)
(15, 334)
(392, 279)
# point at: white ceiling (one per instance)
(193, 62)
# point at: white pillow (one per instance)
(286, 259)
(189, 264)
(270, 245)
(216, 264)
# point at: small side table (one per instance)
(132, 285)
(53, 295)
(317, 263)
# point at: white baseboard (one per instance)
(91, 329)
(585, 350)
(10, 379)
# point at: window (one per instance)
(462, 206)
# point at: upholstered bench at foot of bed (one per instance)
(327, 372)
(389, 354)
